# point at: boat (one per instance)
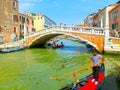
(7, 50)
(57, 46)
(86, 84)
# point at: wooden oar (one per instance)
(65, 75)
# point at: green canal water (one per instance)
(32, 69)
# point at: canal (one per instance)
(33, 69)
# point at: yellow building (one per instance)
(40, 21)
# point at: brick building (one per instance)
(114, 16)
(95, 19)
(9, 26)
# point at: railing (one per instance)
(85, 30)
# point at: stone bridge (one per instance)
(96, 37)
(93, 36)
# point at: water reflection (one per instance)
(73, 46)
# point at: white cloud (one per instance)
(25, 5)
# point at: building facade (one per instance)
(114, 16)
(26, 25)
(40, 21)
(9, 26)
(103, 16)
(95, 19)
(89, 19)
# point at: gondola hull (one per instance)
(85, 83)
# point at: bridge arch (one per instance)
(42, 39)
(93, 36)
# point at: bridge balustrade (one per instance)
(85, 30)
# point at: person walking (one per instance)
(95, 61)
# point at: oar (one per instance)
(65, 75)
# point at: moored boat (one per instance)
(7, 50)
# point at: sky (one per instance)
(64, 11)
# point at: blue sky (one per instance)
(64, 11)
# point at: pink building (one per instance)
(26, 25)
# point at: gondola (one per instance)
(58, 46)
(86, 84)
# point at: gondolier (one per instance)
(92, 81)
(95, 61)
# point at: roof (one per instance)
(117, 5)
(33, 14)
(49, 19)
(93, 14)
(118, 1)
(25, 15)
(109, 6)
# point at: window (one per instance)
(20, 18)
(27, 21)
(14, 29)
(15, 18)
(23, 19)
(14, 4)
(115, 14)
(32, 22)
(114, 26)
(20, 27)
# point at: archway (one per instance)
(42, 39)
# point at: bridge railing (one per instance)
(85, 30)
